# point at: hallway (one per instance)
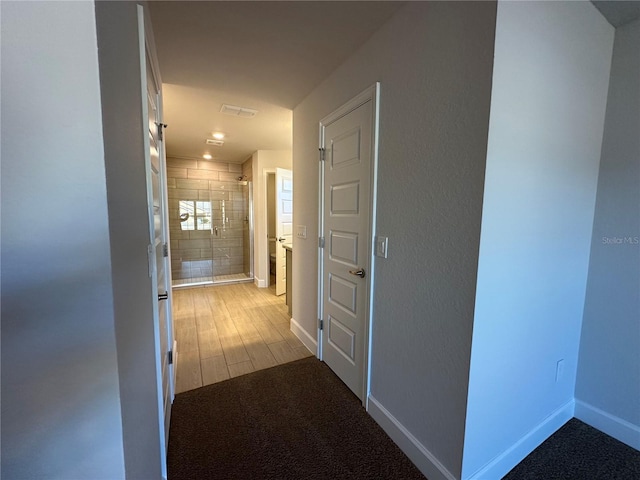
(230, 330)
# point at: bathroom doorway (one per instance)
(279, 220)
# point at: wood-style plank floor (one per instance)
(225, 331)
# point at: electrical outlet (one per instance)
(382, 245)
(301, 231)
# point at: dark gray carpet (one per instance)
(299, 421)
(579, 452)
(295, 421)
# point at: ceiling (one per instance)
(267, 56)
(618, 13)
(263, 55)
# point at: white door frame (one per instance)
(265, 220)
(281, 236)
(370, 94)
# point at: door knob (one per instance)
(358, 273)
(163, 296)
(281, 239)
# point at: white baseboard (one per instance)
(260, 283)
(614, 426)
(426, 462)
(503, 463)
(308, 341)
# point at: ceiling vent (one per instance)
(238, 111)
(217, 143)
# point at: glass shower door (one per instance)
(229, 211)
(191, 234)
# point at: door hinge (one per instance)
(170, 357)
(165, 250)
(322, 154)
(161, 127)
(320, 242)
(321, 324)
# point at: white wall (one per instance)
(263, 160)
(124, 133)
(551, 74)
(60, 391)
(434, 62)
(608, 385)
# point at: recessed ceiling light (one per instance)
(218, 135)
(207, 156)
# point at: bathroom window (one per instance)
(195, 215)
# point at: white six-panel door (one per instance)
(348, 140)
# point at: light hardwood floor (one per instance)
(228, 330)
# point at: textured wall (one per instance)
(434, 62)
(550, 80)
(60, 392)
(609, 366)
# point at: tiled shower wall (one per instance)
(198, 253)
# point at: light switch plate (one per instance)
(382, 245)
(301, 231)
